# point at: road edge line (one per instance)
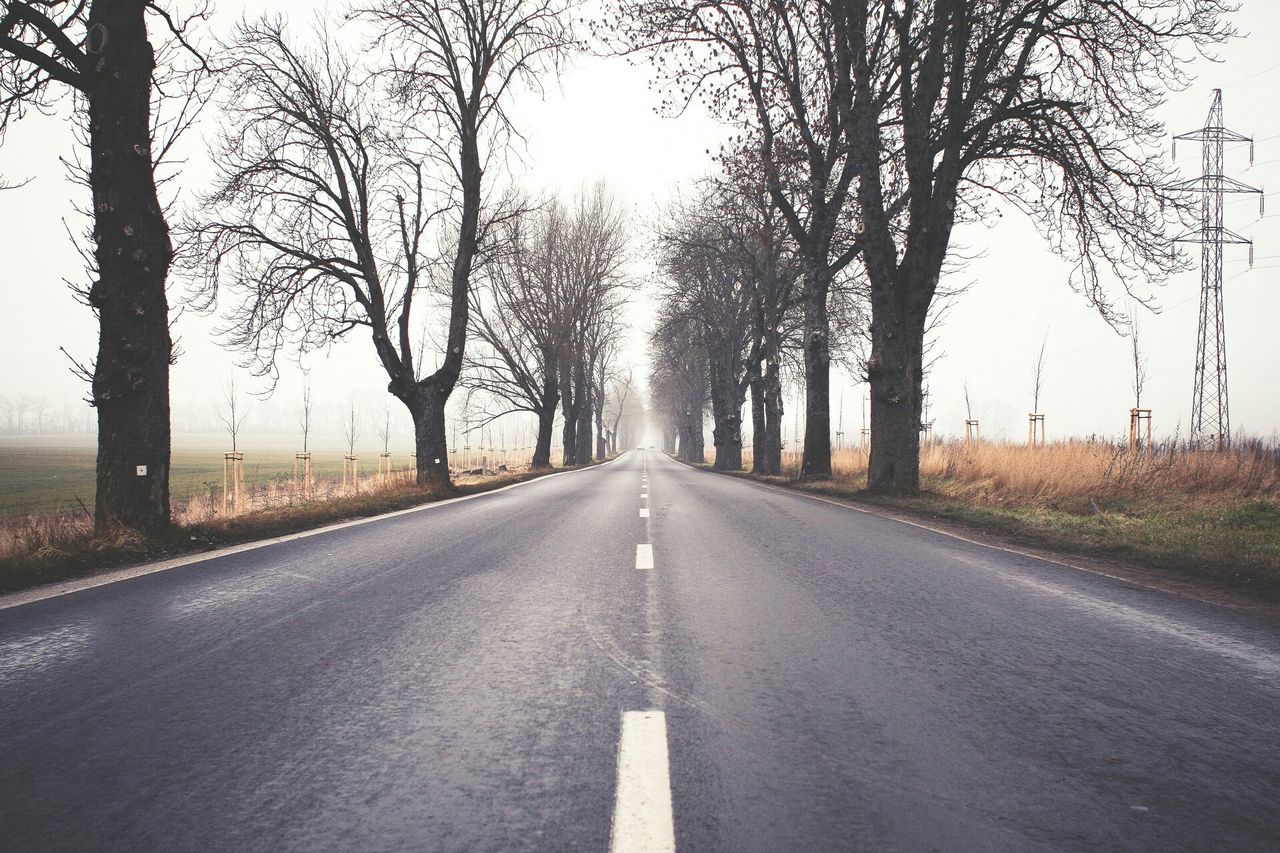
(879, 513)
(61, 588)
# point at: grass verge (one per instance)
(48, 549)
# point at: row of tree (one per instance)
(358, 188)
(877, 127)
(30, 414)
(548, 316)
(729, 319)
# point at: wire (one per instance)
(1107, 337)
(1251, 76)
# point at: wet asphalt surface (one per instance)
(453, 679)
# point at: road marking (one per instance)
(644, 512)
(642, 818)
(644, 556)
(644, 495)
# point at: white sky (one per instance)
(599, 123)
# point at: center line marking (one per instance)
(644, 512)
(642, 818)
(644, 556)
(644, 494)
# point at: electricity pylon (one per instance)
(1210, 417)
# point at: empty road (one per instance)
(638, 656)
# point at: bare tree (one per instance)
(305, 421)
(731, 269)
(600, 358)
(678, 382)
(384, 430)
(709, 283)
(233, 411)
(351, 428)
(322, 214)
(545, 316)
(1037, 376)
(101, 51)
(455, 62)
(40, 408)
(782, 69)
(1044, 105)
(518, 319)
(621, 394)
(1139, 362)
(593, 257)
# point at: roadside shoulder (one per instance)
(1261, 601)
(88, 577)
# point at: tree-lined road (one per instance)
(457, 678)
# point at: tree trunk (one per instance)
(569, 405)
(601, 439)
(546, 415)
(426, 404)
(542, 448)
(693, 443)
(582, 390)
(757, 424)
(773, 413)
(133, 252)
(895, 373)
(726, 416)
(727, 437)
(816, 463)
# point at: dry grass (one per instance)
(1077, 474)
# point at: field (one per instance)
(1212, 515)
(55, 474)
(46, 499)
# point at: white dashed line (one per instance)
(644, 512)
(644, 556)
(642, 806)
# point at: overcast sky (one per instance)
(599, 123)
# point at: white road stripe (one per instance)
(644, 495)
(644, 556)
(642, 807)
(644, 512)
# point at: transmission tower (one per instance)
(1210, 418)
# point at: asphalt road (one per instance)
(811, 677)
